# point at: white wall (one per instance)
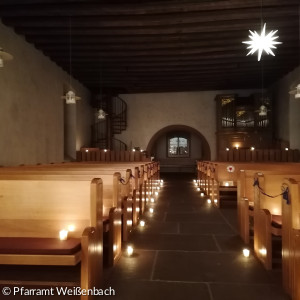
(148, 113)
(287, 111)
(31, 108)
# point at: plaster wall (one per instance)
(31, 108)
(148, 113)
(287, 109)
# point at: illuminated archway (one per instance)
(206, 153)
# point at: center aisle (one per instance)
(190, 250)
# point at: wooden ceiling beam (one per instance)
(236, 25)
(90, 8)
(150, 20)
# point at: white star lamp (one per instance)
(263, 42)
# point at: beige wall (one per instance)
(149, 113)
(287, 110)
(31, 108)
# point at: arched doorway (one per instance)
(177, 147)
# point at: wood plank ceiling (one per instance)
(158, 46)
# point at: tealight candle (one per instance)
(63, 234)
(246, 252)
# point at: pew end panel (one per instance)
(290, 237)
(32, 213)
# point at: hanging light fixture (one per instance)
(262, 42)
(297, 95)
(263, 111)
(70, 96)
(101, 114)
(4, 56)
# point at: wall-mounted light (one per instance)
(252, 148)
(4, 56)
(101, 115)
(297, 95)
(286, 149)
(70, 96)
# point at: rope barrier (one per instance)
(283, 188)
(123, 181)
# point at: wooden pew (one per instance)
(139, 184)
(104, 155)
(221, 180)
(245, 190)
(33, 210)
(112, 200)
(291, 238)
(265, 209)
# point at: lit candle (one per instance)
(151, 210)
(142, 223)
(246, 252)
(202, 194)
(129, 250)
(71, 228)
(208, 201)
(63, 234)
(263, 251)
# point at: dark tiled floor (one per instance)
(190, 250)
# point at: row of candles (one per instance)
(246, 251)
(63, 234)
(142, 223)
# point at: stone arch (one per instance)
(206, 152)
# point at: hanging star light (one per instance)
(262, 42)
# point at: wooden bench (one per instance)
(220, 180)
(135, 191)
(265, 208)
(34, 210)
(291, 238)
(112, 200)
(245, 191)
(148, 173)
(104, 155)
